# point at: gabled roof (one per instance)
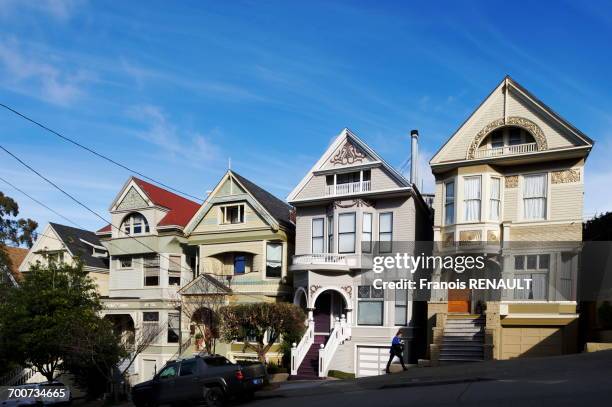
(509, 81)
(279, 210)
(80, 244)
(180, 210)
(344, 135)
(205, 284)
(274, 210)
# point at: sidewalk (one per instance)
(555, 367)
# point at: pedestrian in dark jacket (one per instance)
(396, 350)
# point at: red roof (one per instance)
(16, 256)
(181, 209)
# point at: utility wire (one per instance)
(92, 151)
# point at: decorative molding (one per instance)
(492, 236)
(348, 154)
(469, 236)
(565, 176)
(511, 181)
(517, 121)
(313, 289)
(348, 290)
(355, 202)
(448, 240)
(132, 200)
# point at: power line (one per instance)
(92, 151)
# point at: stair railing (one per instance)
(298, 351)
(337, 336)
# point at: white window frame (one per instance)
(128, 224)
(120, 261)
(241, 214)
(381, 232)
(530, 272)
(453, 204)
(354, 232)
(479, 199)
(174, 268)
(313, 237)
(546, 195)
(280, 261)
(365, 233)
(498, 200)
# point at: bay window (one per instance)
(471, 199)
(495, 200)
(366, 233)
(151, 270)
(318, 239)
(385, 232)
(274, 259)
(534, 196)
(150, 326)
(346, 232)
(449, 203)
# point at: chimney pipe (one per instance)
(414, 155)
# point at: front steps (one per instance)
(309, 369)
(463, 339)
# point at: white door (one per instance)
(371, 360)
(149, 368)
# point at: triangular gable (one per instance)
(131, 196)
(348, 150)
(205, 284)
(230, 189)
(511, 104)
(38, 246)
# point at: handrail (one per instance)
(348, 188)
(337, 336)
(506, 150)
(298, 351)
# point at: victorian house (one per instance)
(509, 185)
(351, 206)
(243, 237)
(149, 261)
(66, 244)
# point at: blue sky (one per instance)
(175, 88)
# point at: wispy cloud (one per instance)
(25, 73)
(61, 10)
(194, 146)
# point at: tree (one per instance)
(243, 321)
(13, 230)
(40, 319)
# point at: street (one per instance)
(584, 379)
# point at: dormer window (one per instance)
(135, 224)
(232, 214)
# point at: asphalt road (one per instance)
(576, 380)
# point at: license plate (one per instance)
(257, 381)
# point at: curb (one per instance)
(434, 383)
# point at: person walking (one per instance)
(396, 350)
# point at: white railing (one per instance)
(299, 351)
(506, 150)
(340, 333)
(349, 188)
(320, 258)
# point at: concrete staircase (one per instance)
(309, 369)
(463, 339)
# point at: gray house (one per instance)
(351, 206)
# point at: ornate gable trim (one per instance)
(517, 121)
(132, 200)
(348, 154)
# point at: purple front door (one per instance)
(322, 313)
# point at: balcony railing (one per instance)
(348, 188)
(320, 258)
(506, 150)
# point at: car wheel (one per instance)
(214, 397)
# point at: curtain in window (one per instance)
(538, 286)
(366, 233)
(274, 254)
(534, 196)
(471, 196)
(385, 232)
(495, 198)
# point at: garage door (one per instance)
(531, 341)
(149, 369)
(371, 360)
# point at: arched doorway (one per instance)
(328, 306)
(205, 329)
(123, 326)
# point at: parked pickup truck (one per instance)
(212, 379)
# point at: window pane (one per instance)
(515, 136)
(450, 214)
(471, 192)
(386, 222)
(450, 192)
(497, 139)
(169, 372)
(317, 245)
(317, 227)
(544, 261)
(519, 262)
(346, 223)
(346, 243)
(400, 315)
(363, 291)
(366, 234)
(370, 313)
(534, 196)
(274, 259)
(188, 367)
(173, 328)
(239, 264)
(532, 262)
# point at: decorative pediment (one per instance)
(132, 200)
(348, 154)
(516, 121)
